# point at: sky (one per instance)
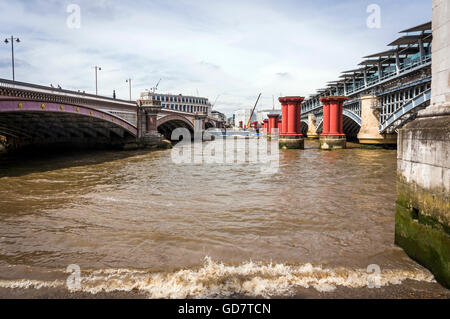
(229, 51)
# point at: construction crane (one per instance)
(253, 111)
(215, 101)
(155, 87)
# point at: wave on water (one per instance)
(217, 280)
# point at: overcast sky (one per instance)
(234, 49)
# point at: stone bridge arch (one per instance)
(28, 123)
(168, 123)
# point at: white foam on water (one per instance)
(216, 280)
(28, 283)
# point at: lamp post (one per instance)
(129, 85)
(12, 39)
(97, 68)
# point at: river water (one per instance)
(138, 222)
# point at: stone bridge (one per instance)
(38, 115)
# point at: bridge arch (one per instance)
(350, 124)
(304, 127)
(209, 124)
(168, 123)
(38, 122)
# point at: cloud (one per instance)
(232, 48)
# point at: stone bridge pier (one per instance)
(422, 221)
(369, 132)
(147, 128)
(312, 127)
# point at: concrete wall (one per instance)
(422, 225)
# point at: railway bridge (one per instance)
(383, 93)
(38, 115)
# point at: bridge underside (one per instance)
(63, 129)
(167, 125)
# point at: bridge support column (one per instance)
(422, 221)
(147, 113)
(291, 135)
(199, 125)
(332, 136)
(312, 127)
(273, 123)
(369, 133)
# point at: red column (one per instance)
(266, 125)
(280, 124)
(298, 124)
(273, 122)
(284, 116)
(332, 115)
(334, 118)
(291, 113)
(326, 116)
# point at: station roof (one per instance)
(390, 53)
(350, 76)
(360, 70)
(423, 27)
(411, 39)
(375, 62)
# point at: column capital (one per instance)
(333, 99)
(291, 99)
(271, 116)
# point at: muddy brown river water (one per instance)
(135, 222)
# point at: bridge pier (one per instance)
(273, 123)
(422, 221)
(369, 132)
(147, 129)
(332, 136)
(291, 136)
(265, 126)
(312, 134)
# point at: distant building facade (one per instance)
(181, 103)
(218, 116)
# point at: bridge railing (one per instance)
(60, 92)
(391, 75)
(420, 101)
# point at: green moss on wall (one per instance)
(424, 243)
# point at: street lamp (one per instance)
(129, 84)
(97, 68)
(12, 39)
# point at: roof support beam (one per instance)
(397, 62)
(380, 71)
(422, 53)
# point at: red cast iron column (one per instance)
(326, 116)
(284, 116)
(291, 115)
(273, 122)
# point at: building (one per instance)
(242, 116)
(181, 103)
(261, 115)
(218, 116)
